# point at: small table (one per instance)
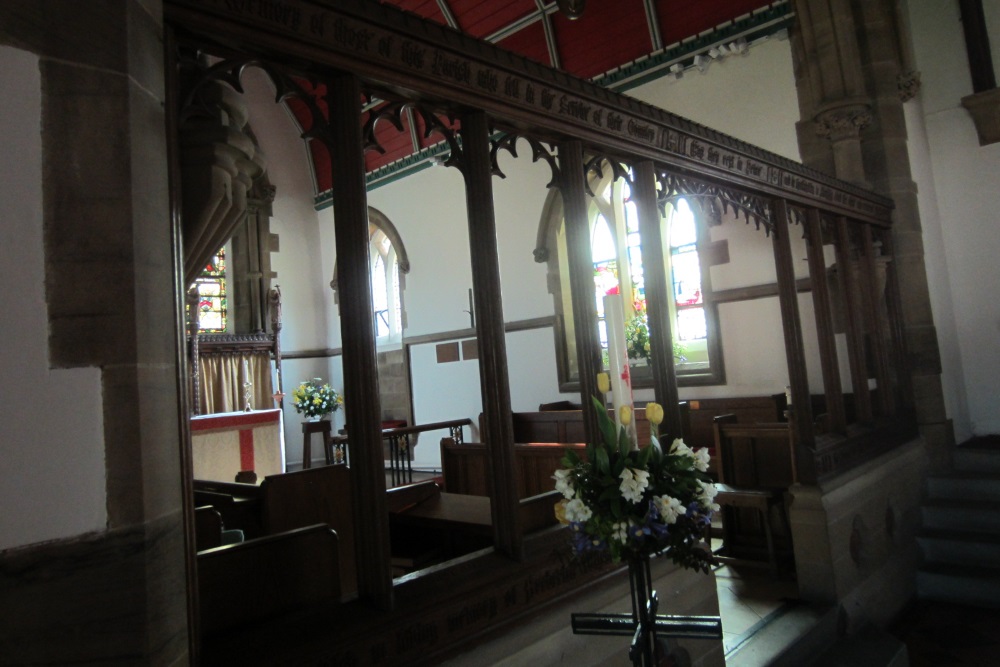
(308, 428)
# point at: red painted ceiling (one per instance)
(610, 34)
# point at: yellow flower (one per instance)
(560, 511)
(654, 413)
(625, 415)
(603, 383)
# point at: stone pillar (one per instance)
(840, 87)
(118, 595)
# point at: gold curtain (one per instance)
(222, 377)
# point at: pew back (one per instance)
(251, 581)
(314, 495)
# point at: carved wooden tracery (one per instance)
(355, 43)
(712, 197)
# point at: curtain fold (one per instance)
(222, 377)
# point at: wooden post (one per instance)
(852, 319)
(581, 278)
(832, 386)
(498, 424)
(791, 325)
(361, 407)
(869, 303)
(658, 295)
(894, 306)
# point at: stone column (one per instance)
(836, 81)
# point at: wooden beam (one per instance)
(853, 322)
(805, 443)
(870, 303)
(581, 278)
(357, 331)
(832, 386)
(658, 295)
(498, 428)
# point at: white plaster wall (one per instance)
(751, 97)
(960, 232)
(52, 474)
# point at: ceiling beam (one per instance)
(655, 39)
(550, 35)
(449, 16)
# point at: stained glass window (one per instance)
(211, 287)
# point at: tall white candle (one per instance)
(621, 379)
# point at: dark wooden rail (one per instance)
(400, 465)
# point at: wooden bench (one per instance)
(252, 581)
(752, 478)
(464, 466)
(316, 495)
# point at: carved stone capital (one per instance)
(985, 110)
(843, 121)
(908, 84)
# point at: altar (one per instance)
(224, 444)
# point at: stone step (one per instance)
(871, 647)
(950, 514)
(795, 636)
(976, 460)
(965, 485)
(960, 547)
(961, 584)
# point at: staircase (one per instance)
(960, 539)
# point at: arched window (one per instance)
(389, 265)
(616, 248)
(385, 288)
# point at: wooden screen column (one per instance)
(495, 386)
(658, 295)
(852, 320)
(805, 443)
(869, 303)
(894, 306)
(832, 385)
(357, 327)
(581, 278)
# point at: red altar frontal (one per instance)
(224, 444)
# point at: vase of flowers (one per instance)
(637, 342)
(316, 399)
(635, 503)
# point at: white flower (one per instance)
(678, 448)
(577, 511)
(669, 508)
(619, 531)
(701, 459)
(634, 482)
(564, 482)
(708, 493)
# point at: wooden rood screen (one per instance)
(375, 62)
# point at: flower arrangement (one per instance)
(314, 398)
(633, 502)
(637, 340)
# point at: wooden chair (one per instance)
(744, 487)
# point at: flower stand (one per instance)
(646, 627)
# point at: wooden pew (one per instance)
(239, 505)
(464, 466)
(207, 528)
(314, 495)
(756, 465)
(249, 582)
